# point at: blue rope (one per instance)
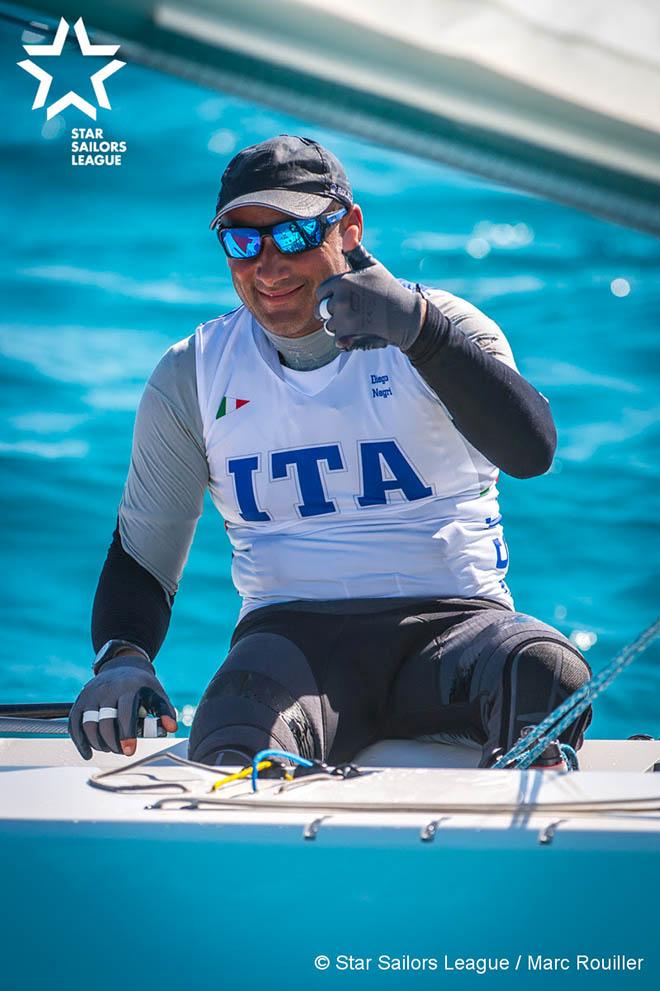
(570, 757)
(526, 750)
(282, 755)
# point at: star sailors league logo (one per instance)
(71, 99)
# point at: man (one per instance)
(351, 428)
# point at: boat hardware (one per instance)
(303, 766)
(311, 829)
(547, 834)
(251, 802)
(427, 832)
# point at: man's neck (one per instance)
(304, 353)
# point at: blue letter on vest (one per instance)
(242, 469)
(502, 554)
(375, 486)
(306, 461)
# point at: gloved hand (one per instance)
(367, 307)
(104, 716)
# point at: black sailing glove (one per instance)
(106, 711)
(367, 307)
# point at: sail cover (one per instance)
(555, 99)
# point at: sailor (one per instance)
(350, 427)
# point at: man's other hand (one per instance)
(105, 714)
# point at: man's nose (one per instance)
(272, 265)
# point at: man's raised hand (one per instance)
(366, 307)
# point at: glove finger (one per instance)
(91, 731)
(158, 704)
(76, 732)
(127, 714)
(108, 729)
(366, 343)
(325, 289)
(359, 258)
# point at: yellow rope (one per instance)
(246, 772)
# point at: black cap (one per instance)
(295, 175)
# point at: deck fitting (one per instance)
(312, 828)
(427, 832)
(547, 834)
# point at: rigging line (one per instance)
(525, 750)
(587, 806)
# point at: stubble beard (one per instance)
(289, 327)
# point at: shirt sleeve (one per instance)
(467, 362)
(164, 493)
(473, 323)
(130, 604)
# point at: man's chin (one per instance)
(286, 323)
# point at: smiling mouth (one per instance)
(279, 295)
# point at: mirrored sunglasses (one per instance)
(291, 237)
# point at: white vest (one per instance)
(349, 481)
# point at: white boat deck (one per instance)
(247, 897)
(407, 790)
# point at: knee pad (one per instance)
(538, 677)
(263, 697)
(515, 670)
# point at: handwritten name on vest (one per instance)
(380, 380)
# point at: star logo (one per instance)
(71, 99)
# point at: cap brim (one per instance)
(300, 205)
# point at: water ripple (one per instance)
(163, 290)
(546, 372)
(50, 452)
(585, 440)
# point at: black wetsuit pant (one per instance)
(326, 679)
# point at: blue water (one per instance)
(220, 906)
(105, 268)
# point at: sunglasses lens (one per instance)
(241, 242)
(311, 230)
(301, 235)
(291, 237)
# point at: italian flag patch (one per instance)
(230, 404)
